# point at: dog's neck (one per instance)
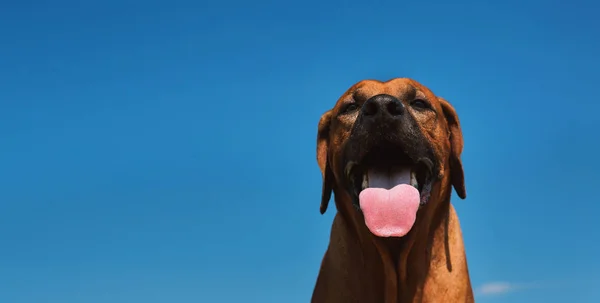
(406, 261)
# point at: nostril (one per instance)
(370, 108)
(395, 108)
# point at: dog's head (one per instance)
(390, 146)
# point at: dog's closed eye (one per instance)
(420, 104)
(348, 108)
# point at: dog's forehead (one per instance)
(396, 87)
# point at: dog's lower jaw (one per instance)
(402, 266)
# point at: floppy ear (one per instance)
(322, 149)
(456, 141)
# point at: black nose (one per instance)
(383, 106)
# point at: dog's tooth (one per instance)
(365, 181)
(348, 168)
(413, 179)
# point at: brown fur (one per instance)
(429, 263)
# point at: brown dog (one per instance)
(390, 152)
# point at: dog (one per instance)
(390, 152)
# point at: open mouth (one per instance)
(389, 187)
(387, 166)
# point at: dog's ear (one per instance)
(322, 151)
(456, 141)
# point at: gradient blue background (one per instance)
(165, 152)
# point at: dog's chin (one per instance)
(388, 186)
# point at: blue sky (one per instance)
(165, 151)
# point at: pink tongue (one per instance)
(390, 213)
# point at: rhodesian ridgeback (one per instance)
(391, 152)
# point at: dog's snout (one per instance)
(383, 105)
